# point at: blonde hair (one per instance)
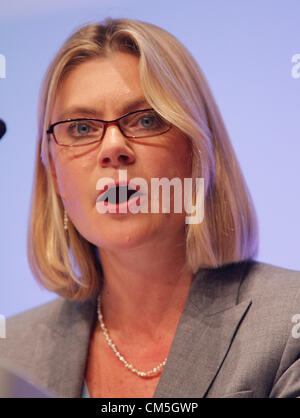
(175, 87)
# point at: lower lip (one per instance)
(107, 207)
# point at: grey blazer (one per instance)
(235, 338)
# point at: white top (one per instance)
(84, 391)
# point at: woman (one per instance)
(150, 306)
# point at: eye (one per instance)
(83, 128)
(80, 128)
(147, 121)
(144, 123)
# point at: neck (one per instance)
(144, 293)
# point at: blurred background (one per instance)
(245, 50)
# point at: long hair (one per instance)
(174, 85)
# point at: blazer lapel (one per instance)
(204, 334)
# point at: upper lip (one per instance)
(130, 184)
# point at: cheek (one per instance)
(184, 160)
(167, 163)
(72, 176)
(177, 156)
(174, 163)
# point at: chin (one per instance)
(117, 236)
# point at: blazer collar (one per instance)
(209, 321)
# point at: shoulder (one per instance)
(41, 313)
(264, 276)
(270, 284)
(261, 283)
(271, 327)
(22, 329)
(52, 313)
(274, 293)
(34, 331)
(257, 307)
(269, 293)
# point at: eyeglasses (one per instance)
(84, 131)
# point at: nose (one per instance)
(114, 149)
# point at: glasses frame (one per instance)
(106, 123)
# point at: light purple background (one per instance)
(245, 50)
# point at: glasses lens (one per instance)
(144, 124)
(78, 132)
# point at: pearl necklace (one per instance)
(155, 370)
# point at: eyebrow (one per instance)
(85, 111)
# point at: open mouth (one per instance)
(119, 194)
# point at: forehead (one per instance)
(105, 86)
